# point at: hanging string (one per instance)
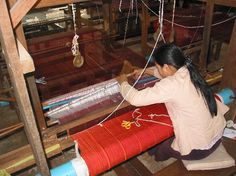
(172, 33)
(78, 59)
(188, 27)
(146, 65)
(127, 23)
(159, 33)
(120, 5)
(132, 6)
(161, 19)
(192, 39)
(136, 9)
(73, 6)
(173, 15)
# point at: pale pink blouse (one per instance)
(193, 124)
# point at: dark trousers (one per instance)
(164, 151)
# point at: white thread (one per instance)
(173, 14)
(149, 59)
(75, 45)
(127, 23)
(120, 5)
(136, 6)
(189, 27)
(196, 29)
(73, 6)
(157, 115)
(132, 6)
(137, 118)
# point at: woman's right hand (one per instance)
(136, 73)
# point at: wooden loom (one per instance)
(187, 37)
(17, 11)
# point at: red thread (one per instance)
(110, 145)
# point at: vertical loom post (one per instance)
(16, 74)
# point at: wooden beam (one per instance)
(145, 19)
(106, 11)
(230, 3)
(15, 70)
(19, 29)
(51, 3)
(229, 73)
(28, 67)
(37, 107)
(20, 9)
(206, 34)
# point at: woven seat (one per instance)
(217, 160)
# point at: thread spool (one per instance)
(64, 169)
(226, 96)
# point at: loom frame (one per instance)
(21, 68)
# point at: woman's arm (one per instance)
(152, 71)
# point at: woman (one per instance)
(197, 118)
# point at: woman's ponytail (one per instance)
(201, 85)
(172, 55)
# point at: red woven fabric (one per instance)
(103, 147)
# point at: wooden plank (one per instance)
(8, 43)
(206, 34)
(177, 168)
(20, 9)
(229, 73)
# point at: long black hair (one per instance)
(170, 54)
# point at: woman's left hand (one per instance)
(122, 78)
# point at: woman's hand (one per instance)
(136, 73)
(122, 78)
